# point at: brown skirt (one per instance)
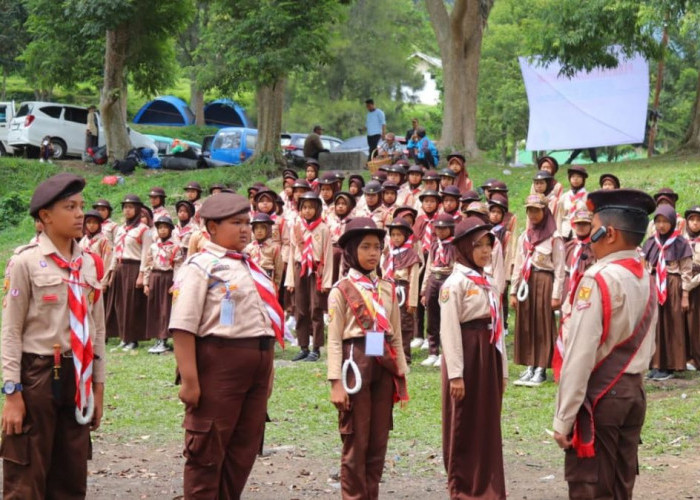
(535, 327)
(671, 347)
(111, 326)
(158, 304)
(694, 327)
(337, 257)
(472, 446)
(129, 302)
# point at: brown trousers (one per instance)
(694, 326)
(129, 302)
(408, 324)
(364, 429)
(223, 434)
(49, 460)
(610, 475)
(432, 296)
(309, 303)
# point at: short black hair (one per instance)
(631, 223)
(369, 101)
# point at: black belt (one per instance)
(259, 343)
(476, 324)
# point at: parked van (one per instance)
(7, 112)
(64, 123)
(234, 144)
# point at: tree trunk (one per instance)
(270, 101)
(197, 102)
(691, 143)
(459, 37)
(4, 83)
(112, 107)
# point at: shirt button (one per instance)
(613, 392)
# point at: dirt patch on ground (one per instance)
(145, 470)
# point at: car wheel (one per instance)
(59, 148)
(2, 150)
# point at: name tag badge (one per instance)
(374, 344)
(228, 309)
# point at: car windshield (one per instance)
(227, 140)
(285, 140)
(24, 110)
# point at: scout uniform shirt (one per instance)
(496, 267)
(380, 215)
(132, 244)
(109, 229)
(431, 268)
(183, 235)
(462, 300)
(268, 255)
(198, 239)
(100, 246)
(569, 204)
(322, 250)
(162, 256)
(343, 325)
(407, 197)
(549, 255)
(35, 313)
(695, 247)
(583, 349)
(336, 225)
(203, 283)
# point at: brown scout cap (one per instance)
(157, 191)
(55, 188)
(470, 225)
(223, 205)
(360, 225)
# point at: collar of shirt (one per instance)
(623, 254)
(47, 248)
(354, 273)
(216, 250)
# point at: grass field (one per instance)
(141, 400)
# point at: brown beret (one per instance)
(55, 188)
(157, 191)
(223, 205)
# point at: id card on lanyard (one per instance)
(374, 343)
(228, 310)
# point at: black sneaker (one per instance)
(662, 375)
(313, 356)
(651, 374)
(303, 354)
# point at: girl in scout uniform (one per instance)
(536, 290)
(162, 261)
(327, 189)
(263, 250)
(356, 184)
(474, 369)
(224, 309)
(609, 181)
(551, 165)
(438, 267)
(343, 210)
(375, 208)
(543, 183)
(401, 263)
(312, 168)
(692, 234)
(450, 203)
(157, 197)
(666, 196)
(310, 276)
(185, 227)
(366, 364)
(109, 227)
(53, 352)
(458, 164)
(94, 240)
(669, 259)
(571, 201)
(131, 246)
(498, 211)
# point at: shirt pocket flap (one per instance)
(93, 282)
(47, 280)
(194, 424)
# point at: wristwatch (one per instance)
(9, 387)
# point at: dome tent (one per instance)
(166, 110)
(225, 113)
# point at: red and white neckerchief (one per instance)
(388, 267)
(307, 253)
(267, 291)
(527, 263)
(166, 253)
(314, 184)
(381, 322)
(427, 240)
(574, 274)
(494, 304)
(121, 242)
(81, 344)
(574, 199)
(661, 273)
(183, 230)
(441, 252)
(160, 212)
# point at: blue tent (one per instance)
(166, 110)
(225, 113)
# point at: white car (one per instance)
(7, 112)
(64, 123)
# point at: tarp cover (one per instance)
(604, 107)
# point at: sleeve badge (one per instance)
(444, 295)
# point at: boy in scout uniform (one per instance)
(572, 201)
(224, 308)
(600, 403)
(53, 338)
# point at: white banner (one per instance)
(604, 107)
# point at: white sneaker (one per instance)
(426, 345)
(690, 367)
(416, 343)
(159, 348)
(430, 360)
(326, 319)
(525, 376)
(438, 362)
(41, 160)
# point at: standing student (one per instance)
(342, 213)
(375, 208)
(109, 227)
(365, 333)
(414, 174)
(669, 259)
(466, 199)
(162, 262)
(156, 197)
(535, 293)
(543, 184)
(133, 241)
(498, 211)
(94, 241)
(401, 263)
(692, 234)
(474, 369)
(328, 185)
(312, 167)
(609, 181)
(193, 194)
(458, 164)
(310, 276)
(447, 178)
(263, 250)
(666, 196)
(185, 227)
(53, 352)
(450, 203)
(572, 201)
(438, 267)
(224, 308)
(600, 405)
(551, 165)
